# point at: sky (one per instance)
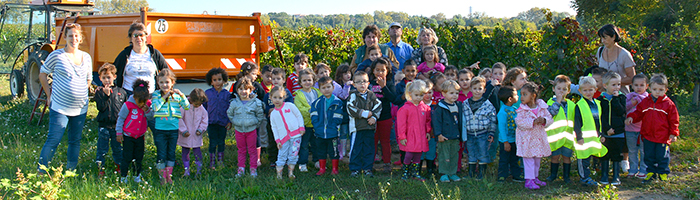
(493, 8)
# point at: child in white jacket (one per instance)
(288, 127)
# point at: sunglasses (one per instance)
(139, 35)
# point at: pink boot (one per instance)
(538, 182)
(530, 184)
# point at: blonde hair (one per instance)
(449, 84)
(427, 31)
(609, 76)
(416, 86)
(587, 80)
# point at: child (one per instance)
(409, 71)
(530, 134)
(613, 115)
(413, 122)
(498, 72)
(216, 105)
(659, 117)
(277, 78)
(437, 78)
(383, 87)
(373, 53)
(451, 72)
(326, 116)
(300, 63)
(479, 120)
(109, 100)
(429, 156)
(445, 120)
(508, 163)
(431, 61)
(303, 99)
(634, 144)
(192, 124)
(322, 70)
(246, 114)
(587, 127)
(464, 77)
(363, 108)
(516, 78)
(343, 75)
(287, 124)
(486, 74)
(166, 107)
(266, 78)
(250, 71)
(561, 134)
(130, 133)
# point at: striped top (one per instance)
(69, 94)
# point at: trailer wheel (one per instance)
(32, 69)
(16, 84)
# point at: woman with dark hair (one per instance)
(613, 57)
(67, 97)
(371, 35)
(138, 60)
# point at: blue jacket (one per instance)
(444, 122)
(506, 124)
(326, 121)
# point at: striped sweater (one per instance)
(69, 90)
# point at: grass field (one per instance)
(21, 143)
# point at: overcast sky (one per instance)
(494, 8)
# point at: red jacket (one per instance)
(659, 119)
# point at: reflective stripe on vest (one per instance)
(561, 132)
(591, 143)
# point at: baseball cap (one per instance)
(395, 24)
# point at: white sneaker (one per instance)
(137, 179)
(625, 165)
(302, 168)
(317, 165)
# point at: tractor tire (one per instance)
(16, 84)
(32, 70)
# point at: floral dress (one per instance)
(531, 139)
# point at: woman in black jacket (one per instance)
(138, 60)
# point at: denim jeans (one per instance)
(106, 138)
(166, 144)
(508, 161)
(636, 153)
(657, 156)
(478, 146)
(306, 141)
(59, 124)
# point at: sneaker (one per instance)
(530, 184)
(137, 179)
(254, 172)
(615, 182)
(279, 175)
(501, 179)
(302, 168)
(518, 179)
(317, 165)
(625, 165)
(642, 175)
(589, 182)
(387, 168)
(539, 182)
(663, 177)
(124, 180)
(630, 175)
(368, 173)
(241, 172)
(604, 182)
(455, 178)
(649, 177)
(445, 178)
(354, 173)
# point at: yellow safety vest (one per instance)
(561, 132)
(591, 143)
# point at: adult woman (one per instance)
(613, 57)
(371, 35)
(67, 96)
(427, 37)
(138, 60)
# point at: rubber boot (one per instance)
(616, 174)
(567, 172)
(416, 174)
(163, 173)
(553, 172)
(420, 166)
(482, 171)
(472, 170)
(187, 168)
(169, 177)
(291, 171)
(406, 172)
(220, 159)
(199, 167)
(279, 171)
(604, 168)
(335, 166)
(212, 161)
(322, 166)
(430, 168)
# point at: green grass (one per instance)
(20, 145)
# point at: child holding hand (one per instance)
(530, 135)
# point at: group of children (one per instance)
(439, 112)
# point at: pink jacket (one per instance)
(636, 127)
(423, 67)
(413, 125)
(193, 120)
(286, 122)
(531, 139)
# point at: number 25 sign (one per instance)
(161, 26)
